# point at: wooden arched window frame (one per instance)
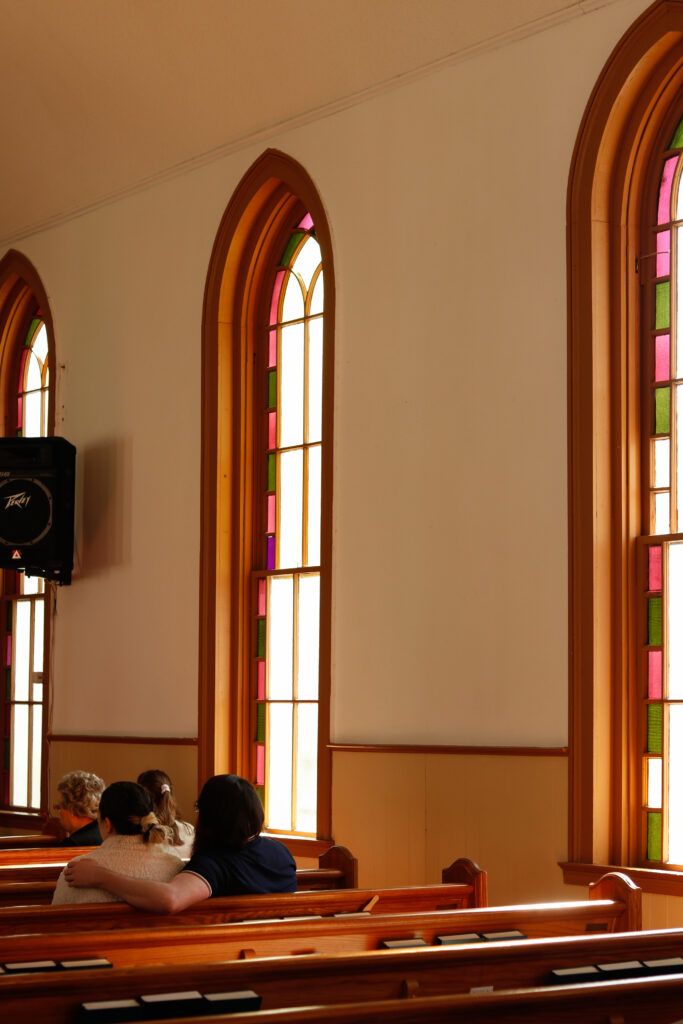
(262, 212)
(23, 303)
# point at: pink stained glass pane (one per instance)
(663, 254)
(260, 764)
(655, 568)
(270, 528)
(275, 301)
(262, 597)
(662, 357)
(664, 204)
(8, 652)
(271, 553)
(20, 412)
(272, 345)
(261, 681)
(272, 429)
(654, 675)
(307, 223)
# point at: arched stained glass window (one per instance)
(287, 584)
(25, 618)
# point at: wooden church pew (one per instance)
(37, 841)
(197, 943)
(466, 890)
(30, 878)
(379, 975)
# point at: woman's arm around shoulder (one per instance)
(164, 897)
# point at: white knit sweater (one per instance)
(128, 855)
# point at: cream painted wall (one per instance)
(446, 200)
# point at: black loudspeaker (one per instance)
(37, 476)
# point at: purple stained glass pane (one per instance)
(8, 654)
(272, 432)
(275, 301)
(306, 223)
(271, 514)
(662, 357)
(271, 553)
(261, 681)
(260, 764)
(663, 255)
(664, 204)
(654, 675)
(272, 346)
(262, 597)
(655, 567)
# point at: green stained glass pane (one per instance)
(261, 793)
(261, 638)
(662, 410)
(271, 472)
(260, 723)
(272, 389)
(677, 140)
(654, 728)
(654, 621)
(662, 304)
(291, 246)
(654, 836)
(35, 324)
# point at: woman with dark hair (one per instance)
(134, 842)
(229, 857)
(159, 787)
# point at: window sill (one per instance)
(25, 820)
(661, 881)
(302, 846)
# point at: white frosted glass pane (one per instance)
(662, 512)
(306, 767)
(678, 468)
(662, 449)
(39, 345)
(32, 425)
(19, 787)
(37, 741)
(291, 394)
(290, 526)
(293, 305)
(307, 261)
(279, 779)
(308, 637)
(38, 635)
(280, 637)
(318, 299)
(22, 648)
(315, 380)
(314, 487)
(33, 380)
(676, 784)
(654, 782)
(673, 619)
(37, 691)
(43, 428)
(678, 354)
(30, 584)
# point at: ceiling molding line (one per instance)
(576, 9)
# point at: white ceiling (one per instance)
(101, 95)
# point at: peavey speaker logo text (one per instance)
(19, 500)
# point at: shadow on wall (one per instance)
(103, 498)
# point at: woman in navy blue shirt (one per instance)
(229, 856)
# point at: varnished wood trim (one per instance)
(653, 880)
(64, 737)
(300, 846)
(405, 748)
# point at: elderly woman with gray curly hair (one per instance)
(79, 795)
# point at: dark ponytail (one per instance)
(129, 809)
